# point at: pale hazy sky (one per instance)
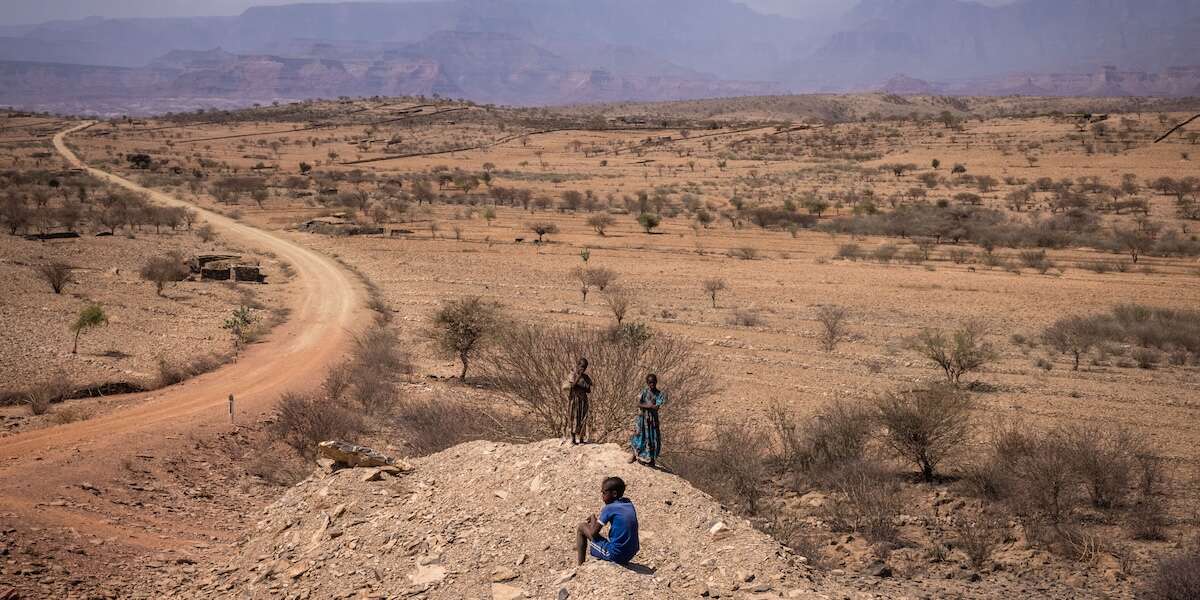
(37, 11)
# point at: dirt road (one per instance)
(327, 307)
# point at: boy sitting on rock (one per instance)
(618, 513)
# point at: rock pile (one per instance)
(488, 520)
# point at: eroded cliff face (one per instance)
(490, 69)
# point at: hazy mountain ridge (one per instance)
(952, 40)
(556, 51)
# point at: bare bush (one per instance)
(1046, 475)
(54, 388)
(619, 300)
(1034, 473)
(580, 275)
(592, 277)
(375, 361)
(462, 327)
(56, 274)
(1106, 460)
(600, 223)
(432, 425)
(69, 414)
(964, 351)
(1177, 578)
(1146, 358)
(925, 426)
(851, 252)
(712, 287)
(813, 448)
(744, 253)
(833, 326)
(1074, 336)
(1036, 260)
(601, 277)
(730, 466)
(1148, 520)
(867, 500)
(162, 270)
(206, 233)
(885, 253)
(742, 317)
(528, 363)
(979, 538)
(304, 420)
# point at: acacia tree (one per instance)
(833, 326)
(619, 300)
(57, 274)
(1073, 335)
(1134, 241)
(581, 275)
(162, 270)
(461, 327)
(91, 317)
(712, 287)
(600, 222)
(956, 354)
(926, 425)
(542, 229)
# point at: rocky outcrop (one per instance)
(345, 454)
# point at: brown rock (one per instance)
(503, 574)
(501, 591)
(350, 455)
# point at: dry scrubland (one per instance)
(1030, 216)
(148, 337)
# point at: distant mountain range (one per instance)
(567, 51)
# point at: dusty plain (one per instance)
(426, 173)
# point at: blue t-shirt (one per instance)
(623, 532)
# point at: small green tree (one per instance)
(91, 317)
(238, 325)
(461, 327)
(649, 221)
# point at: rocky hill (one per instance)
(488, 520)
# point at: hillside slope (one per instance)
(488, 520)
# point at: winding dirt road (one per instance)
(327, 306)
